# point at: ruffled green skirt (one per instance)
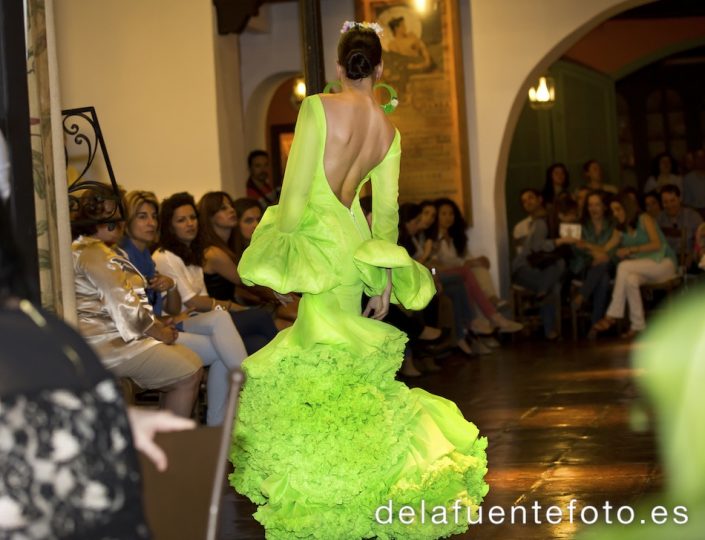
(325, 436)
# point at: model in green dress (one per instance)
(326, 440)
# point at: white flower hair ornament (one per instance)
(349, 25)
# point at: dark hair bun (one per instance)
(359, 52)
(357, 65)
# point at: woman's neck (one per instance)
(141, 245)
(223, 233)
(360, 87)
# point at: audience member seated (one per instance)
(259, 184)
(700, 247)
(211, 335)
(594, 181)
(249, 214)
(675, 216)
(424, 335)
(652, 204)
(563, 211)
(645, 257)
(663, 173)
(536, 266)
(592, 262)
(180, 257)
(557, 182)
(451, 258)
(69, 468)
(114, 315)
(694, 183)
(223, 244)
(423, 250)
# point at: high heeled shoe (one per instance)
(604, 324)
(443, 336)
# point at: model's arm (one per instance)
(304, 157)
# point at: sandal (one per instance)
(603, 325)
(631, 334)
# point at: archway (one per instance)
(511, 45)
(258, 107)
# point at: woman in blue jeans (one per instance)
(180, 257)
(590, 259)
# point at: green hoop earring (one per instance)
(328, 87)
(393, 102)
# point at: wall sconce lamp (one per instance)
(543, 96)
(298, 92)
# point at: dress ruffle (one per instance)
(297, 261)
(413, 285)
(319, 408)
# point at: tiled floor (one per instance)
(557, 420)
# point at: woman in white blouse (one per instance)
(180, 256)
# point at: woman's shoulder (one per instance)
(88, 251)
(162, 256)
(217, 254)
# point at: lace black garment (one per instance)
(68, 468)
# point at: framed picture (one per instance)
(422, 61)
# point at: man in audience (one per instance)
(541, 277)
(694, 182)
(259, 184)
(677, 216)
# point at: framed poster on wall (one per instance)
(422, 61)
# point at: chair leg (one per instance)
(574, 321)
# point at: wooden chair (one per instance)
(184, 501)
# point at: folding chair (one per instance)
(184, 501)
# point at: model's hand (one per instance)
(376, 308)
(146, 424)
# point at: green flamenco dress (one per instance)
(325, 435)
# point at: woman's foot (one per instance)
(408, 369)
(478, 347)
(604, 324)
(631, 334)
(428, 364)
(491, 342)
(553, 335)
(481, 326)
(433, 336)
(505, 325)
(499, 303)
(464, 347)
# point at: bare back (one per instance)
(358, 136)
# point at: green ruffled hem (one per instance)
(413, 285)
(325, 437)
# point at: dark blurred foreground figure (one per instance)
(672, 357)
(68, 468)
